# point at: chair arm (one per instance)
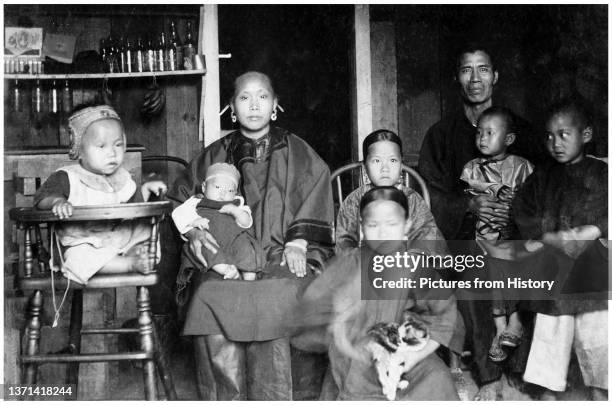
(95, 212)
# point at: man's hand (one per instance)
(197, 239)
(492, 212)
(62, 208)
(295, 258)
(153, 187)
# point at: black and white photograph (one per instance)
(305, 202)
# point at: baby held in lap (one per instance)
(221, 211)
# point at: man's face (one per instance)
(476, 77)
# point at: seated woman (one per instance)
(385, 216)
(382, 158)
(242, 347)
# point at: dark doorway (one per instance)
(305, 51)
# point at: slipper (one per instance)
(496, 353)
(510, 339)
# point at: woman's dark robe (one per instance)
(288, 188)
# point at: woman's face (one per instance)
(384, 163)
(253, 104)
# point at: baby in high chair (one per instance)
(98, 142)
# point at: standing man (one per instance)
(448, 146)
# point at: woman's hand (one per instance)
(490, 211)
(197, 239)
(62, 209)
(295, 258)
(153, 187)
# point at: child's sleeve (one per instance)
(57, 184)
(185, 214)
(247, 210)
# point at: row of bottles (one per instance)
(151, 55)
(54, 98)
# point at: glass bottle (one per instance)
(189, 49)
(37, 98)
(151, 65)
(103, 51)
(139, 56)
(121, 55)
(129, 55)
(67, 98)
(17, 95)
(175, 48)
(160, 53)
(54, 99)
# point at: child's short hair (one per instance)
(82, 117)
(573, 107)
(385, 193)
(380, 135)
(504, 113)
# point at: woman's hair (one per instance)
(380, 135)
(243, 78)
(386, 193)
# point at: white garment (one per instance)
(92, 244)
(186, 213)
(551, 348)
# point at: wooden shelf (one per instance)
(64, 76)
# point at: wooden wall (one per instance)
(542, 53)
(174, 132)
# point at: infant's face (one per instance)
(491, 136)
(220, 189)
(102, 147)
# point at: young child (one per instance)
(382, 159)
(98, 142)
(564, 205)
(337, 293)
(498, 174)
(228, 219)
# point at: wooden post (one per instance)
(384, 76)
(361, 80)
(209, 121)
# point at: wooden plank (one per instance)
(384, 76)
(103, 75)
(419, 79)
(210, 122)
(362, 80)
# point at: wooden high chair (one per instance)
(36, 276)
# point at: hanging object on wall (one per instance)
(154, 100)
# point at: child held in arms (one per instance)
(499, 174)
(224, 213)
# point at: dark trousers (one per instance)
(229, 370)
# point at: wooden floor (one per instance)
(129, 381)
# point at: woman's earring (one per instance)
(273, 116)
(234, 118)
